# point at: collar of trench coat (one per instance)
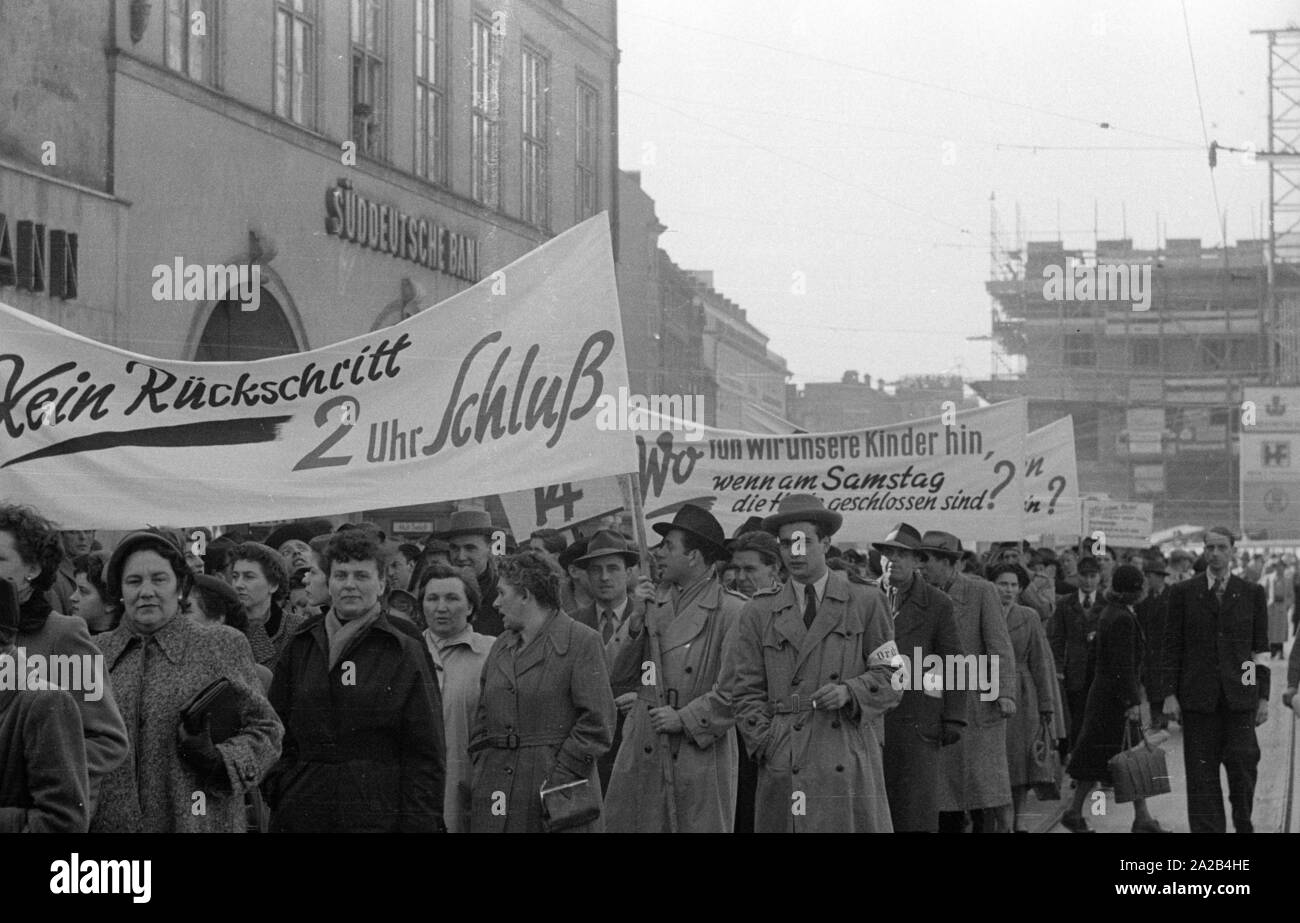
(173, 639)
(675, 628)
(556, 634)
(788, 617)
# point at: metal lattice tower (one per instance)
(1283, 159)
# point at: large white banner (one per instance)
(1052, 481)
(960, 473)
(493, 390)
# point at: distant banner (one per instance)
(964, 477)
(480, 394)
(1127, 525)
(572, 505)
(1270, 463)
(1052, 481)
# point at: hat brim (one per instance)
(881, 546)
(630, 557)
(663, 528)
(938, 552)
(830, 519)
(485, 531)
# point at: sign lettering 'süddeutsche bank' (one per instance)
(355, 218)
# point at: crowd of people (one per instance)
(331, 679)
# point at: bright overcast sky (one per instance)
(857, 143)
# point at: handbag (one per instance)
(569, 805)
(1138, 770)
(219, 702)
(1046, 772)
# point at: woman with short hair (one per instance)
(259, 579)
(1035, 677)
(160, 660)
(90, 595)
(545, 711)
(449, 597)
(30, 551)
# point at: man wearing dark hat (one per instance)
(1217, 631)
(607, 561)
(575, 591)
(470, 535)
(691, 619)
(973, 774)
(929, 716)
(1072, 632)
(1152, 614)
(813, 670)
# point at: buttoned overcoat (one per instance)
(819, 770)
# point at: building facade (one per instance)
(854, 403)
(369, 157)
(1155, 391)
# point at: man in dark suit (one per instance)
(607, 562)
(930, 715)
(1071, 632)
(1216, 665)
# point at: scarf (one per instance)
(33, 614)
(340, 632)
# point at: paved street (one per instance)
(1276, 738)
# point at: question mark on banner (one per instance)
(1058, 484)
(1011, 473)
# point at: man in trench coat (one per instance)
(813, 668)
(973, 774)
(930, 715)
(693, 622)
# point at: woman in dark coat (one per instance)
(43, 781)
(1115, 699)
(546, 712)
(30, 551)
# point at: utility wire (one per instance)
(911, 80)
(1205, 135)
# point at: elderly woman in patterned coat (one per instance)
(174, 781)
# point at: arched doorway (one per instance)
(234, 335)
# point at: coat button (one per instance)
(688, 669)
(839, 768)
(835, 723)
(510, 688)
(799, 726)
(794, 771)
(835, 676)
(874, 688)
(796, 681)
(649, 749)
(510, 771)
(753, 721)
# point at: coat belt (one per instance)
(793, 705)
(515, 741)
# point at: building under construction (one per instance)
(1154, 388)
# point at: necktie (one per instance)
(1087, 602)
(810, 606)
(1218, 591)
(607, 625)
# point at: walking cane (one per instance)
(632, 499)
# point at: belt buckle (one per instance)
(512, 741)
(794, 703)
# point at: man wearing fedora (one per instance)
(608, 561)
(692, 621)
(470, 537)
(813, 670)
(929, 716)
(973, 774)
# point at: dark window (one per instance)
(295, 60)
(369, 58)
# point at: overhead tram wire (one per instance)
(912, 80)
(808, 166)
(1205, 135)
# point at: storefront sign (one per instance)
(382, 227)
